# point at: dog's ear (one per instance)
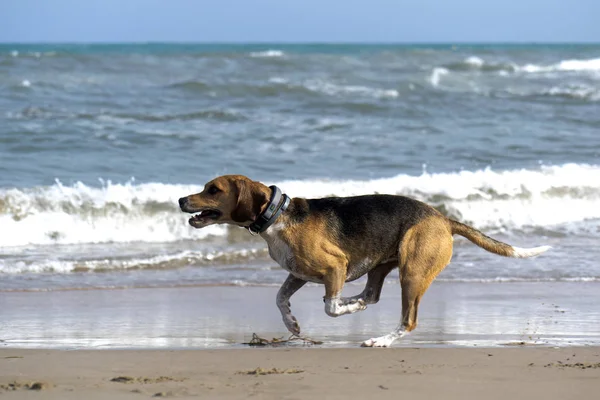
(250, 200)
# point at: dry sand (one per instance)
(303, 373)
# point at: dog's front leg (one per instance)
(335, 305)
(289, 287)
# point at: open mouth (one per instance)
(204, 217)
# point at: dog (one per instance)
(339, 239)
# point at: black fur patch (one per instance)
(365, 226)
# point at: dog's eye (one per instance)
(213, 190)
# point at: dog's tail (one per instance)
(492, 245)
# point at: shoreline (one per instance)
(452, 315)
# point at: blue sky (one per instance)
(300, 21)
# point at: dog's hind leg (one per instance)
(424, 252)
(372, 291)
(289, 287)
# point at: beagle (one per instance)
(339, 239)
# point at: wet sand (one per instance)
(474, 340)
(451, 314)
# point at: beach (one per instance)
(489, 340)
(107, 292)
(449, 373)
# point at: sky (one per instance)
(397, 21)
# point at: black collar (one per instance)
(277, 204)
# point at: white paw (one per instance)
(382, 341)
(336, 307)
(351, 300)
(359, 305)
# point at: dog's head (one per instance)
(228, 199)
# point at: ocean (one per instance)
(97, 143)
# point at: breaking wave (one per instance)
(589, 65)
(267, 53)
(476, 63)
(567, 79)
(277, 86)
(83, 214)
(163, 262)
(565, 195)
(576, 92)
(333, 89)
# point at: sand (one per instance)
(299, 373)
(480, 341)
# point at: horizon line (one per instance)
(243, 43)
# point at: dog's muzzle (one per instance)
(183, 202)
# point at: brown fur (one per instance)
(481, 240)
(319, 244)
(425, 251)
(239, 199)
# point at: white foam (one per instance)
(268, 53)
(565, 65)
(25, 83)
(548, 196)
(486, 198)
(459, 185)
(576, 92)
(436, 76)
(474, 61)
(332, 89)
(580, 65)
(14, 53)
(82, 214)
(183, 258)
(335, 90)
(278, 80)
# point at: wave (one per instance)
(163, 262)
(512, 199)
(566, 92)
(467, 76)
(192, 85)
(474, 63)
(277, 86)
(83, 214)
(226, 115)
(576, 92)
(436, 76)
(505, 200)
(332, 89)
(20, 86)
(268, 53)
(589, 65)
(34, 54)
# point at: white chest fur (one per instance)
(281, 252)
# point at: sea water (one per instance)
(97, 143)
